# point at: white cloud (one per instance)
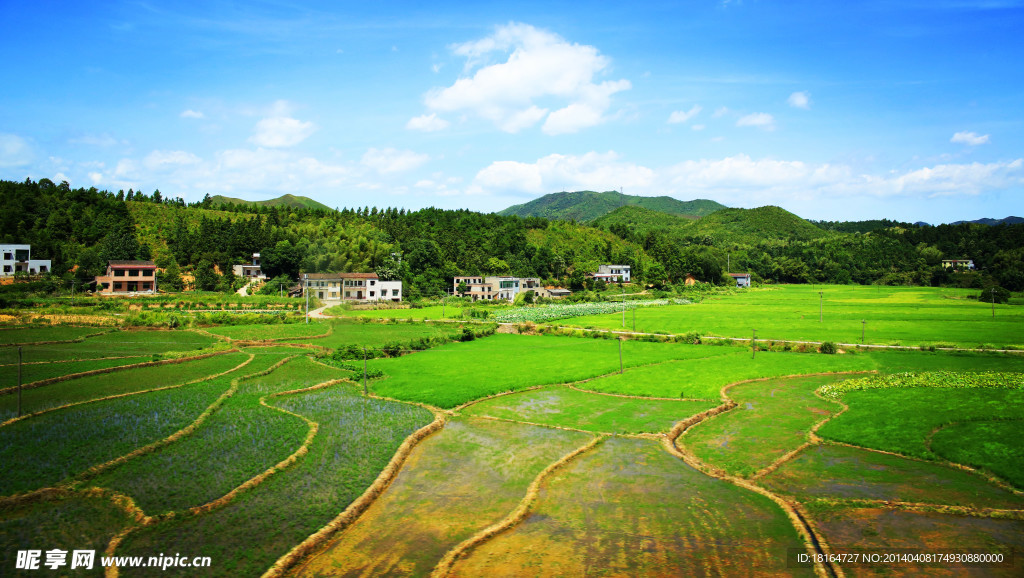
(969, 138)
(280, 130)
(427, 123)
(720, 112)
(556, 172)
(158, 160)
(800, 100)
(680, 116)
(542, 72)
(389, 160)
(14, 151)
(192, 114)
(698, 127)
(761, 120)
(742, 181)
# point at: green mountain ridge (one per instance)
(284, 200)
(750, 226)
(585, 206)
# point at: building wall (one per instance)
(18, 259)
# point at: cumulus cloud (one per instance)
(278, 129)
(192, 114)
(158, 160)
(761, 120)
(969, 138)
(543, 77)
(800, 100)
(743, 181)
(427, 123)
(681, 116)
(389, 160)
(14, 151)
(556, 172)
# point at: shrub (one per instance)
(828, 348)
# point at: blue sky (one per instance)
(838, 111)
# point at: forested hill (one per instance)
(284, 200)
(81, 229)
(585, 206)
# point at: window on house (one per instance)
(133, 273)
(147, 286)
(7, 268)
(394, 292)
(118, 272)
(371, 292)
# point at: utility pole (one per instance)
(364, 371)
(753, 345)
(306, 277)
(863, 325)
(19, 381)
(634, 320)
(623, 303)
(821, 309)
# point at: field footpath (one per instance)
(112, 571)
(748, 339)
(312, 545)
(44, 382)
(57, 341)
(444, 567)
(814, 540)
(816, 440)
(109, 397)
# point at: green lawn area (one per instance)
(262, 331)
(112, 344)
(430, 312)
(904, 315)
(565, 407)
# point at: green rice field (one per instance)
(552, 455)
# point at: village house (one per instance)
(364, 287)
(742, 279)
(252, 271)
(612, 273)
(18, 259)
(958, 264)
(498, 287)
(125, 277)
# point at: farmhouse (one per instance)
(18, 259)
(128, 277)
(958, 264)
(498, 287)
(252, 271)
(612, 273)
(742, 279)
(353, 287)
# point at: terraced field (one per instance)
(546, 460)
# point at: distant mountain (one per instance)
(588, 205)
(641, 220)
(1005, 221)
(284, 200)
(863, 226)
(755, 226)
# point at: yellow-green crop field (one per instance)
(254, 450)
